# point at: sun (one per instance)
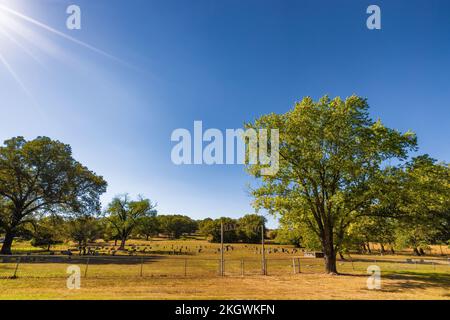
(27, 35)
(6, 24)
(9, 28)
(13, 40)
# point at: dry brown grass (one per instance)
(164, 278)
(302, 286)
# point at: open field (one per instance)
(191, 245)
(406, 285)
(163, 271)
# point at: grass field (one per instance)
(408, 285)
(163, 271)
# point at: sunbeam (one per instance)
(61, 34)
(30, 36)
(23, 33)
(15, 76)
(21, 46)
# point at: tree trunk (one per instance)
(416, 252)
(330, 263)
(122, 244)
(115, 242)
(329, 253)
(6, 247)
(364, 248)
(382, 248)
(368, 247)
(147, 237)
(360, 249)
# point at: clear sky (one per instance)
(164, 64)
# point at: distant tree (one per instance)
(174, 226)
(426, 205)
(272, 234)
(148, 227)
(203, 226)
(84, 229)
(372, 229)
(249, 228)
(411, 207)
(212, 229)
(48, 231)
(125, 215)
(42, 176)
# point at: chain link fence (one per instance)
(40, 266)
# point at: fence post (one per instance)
(87, 266)
(242, 267)
(17, 267)
(222, 261)
(185, 267)
(142, 266)
(293, 265)
(298, 261)
(353, 267)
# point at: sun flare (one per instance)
(23, 34)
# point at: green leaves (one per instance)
(41, 176)
(125, 214)
(330, 153)
(246, 229)
(175, 225)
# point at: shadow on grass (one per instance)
(409, 280)
(92, 260)
(417, 279)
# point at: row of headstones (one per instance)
(173, 248)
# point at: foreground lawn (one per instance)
(409, 285)
(193, 274)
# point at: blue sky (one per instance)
(222, 62)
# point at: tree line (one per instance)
(141, 222)
(344, 180)
(48, 197)
(86, 230)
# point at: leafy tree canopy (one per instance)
(41, 176)
(330, 153)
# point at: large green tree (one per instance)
(41, 176)
(125, 214)
(174, 226)
(330, 152)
